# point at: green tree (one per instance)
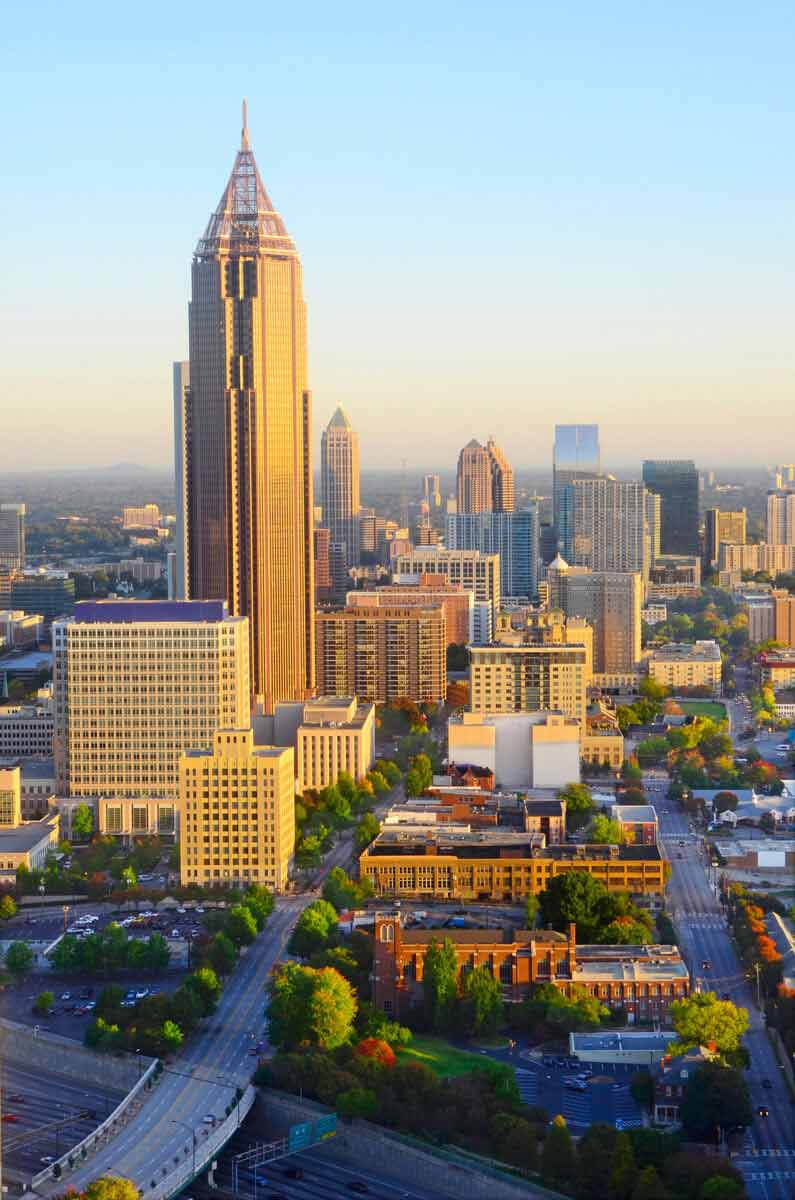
(641, 1085)
(649, 1186)
(625, 932)
(702, 1018)
(372, 1023)
(368, 828)
(605, 832)
(481, 1001)
(309, 1007)
(314, 930)
(650, 689)
(19, 959)
(186, 1008)
(206, 985)
(595, 1152)
(716, 1096)
(531, 907)
(575, 896)
(343, 892)
(82, 822)
(357, 1102)
(171, 1037)
(720, 1187)
(155, 953)
(557, 1157)
(260, 903)
(390, 770)
(8, 908)
(221, 954)
(440, 982)
(110, 1187)
(577, 796)
(623, 1171)
(240, 926)
(652, 750)
(128, 878)
(44, 1002)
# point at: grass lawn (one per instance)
(703, 708)
(446, 1060)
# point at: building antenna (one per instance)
(244, 132)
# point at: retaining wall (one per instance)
(47, 1052)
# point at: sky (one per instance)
(509, 214)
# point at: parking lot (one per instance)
(62, 1111)
(582, 1093)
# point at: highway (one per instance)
(704, 937)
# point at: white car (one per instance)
(208, 1120)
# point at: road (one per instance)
(704, 937)
(203, 1079)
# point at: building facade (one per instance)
(337, 734)
(25, 730)
(521, 750)
(143, 516)
(431, 590)
(339, 473)
(484, 480)
(237, 813)
(638, 822)
(180, 384)
(12, 536)
(470, 569)
(722, 526)
(137, 682)
(512, 535)
(780, 518)
(784, 617)
(609, 526)
(763, 556)
(383, 654)
(610, 601)
(575, 455)
(51, 595)
(675, 481)
(529, 676)
(248, 453)
(687, 665)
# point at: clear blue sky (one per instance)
(508, 213)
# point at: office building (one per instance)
(521, 750)
(610, 601)
(324, 584)
(761, 613)
(484, 481)
(51, 595)
(20, 630)
(512, 535)
(609, 526)
(25, 730)
(137, 682)
(181, 394)
(780, 523)
(641, 981)
(470, 569)
(529, 678)
(498, 865)
(339, 473)
(674, 575)
(683, 665)
(653, 524)
(470, 805)
(575, 455)
(720, 526)
(431, 590)
(783, 617)
(248, 447)
(237, 813)
(431, 492)
(12, 536)
(143, 516)
(383, 654)
(676, 483)
(336, 734)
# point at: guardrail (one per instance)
(78, 1154)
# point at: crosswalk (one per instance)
(762, 1176)
(527, 1083)
(703, 920)
(774, 1153)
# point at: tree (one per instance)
(641, 1085)
(309, 1006)
(440, 982)
(372, 1023)
(623, 1171)
(650, 689)
(376, 1050)
(260, 903)
(221, 954)
(368, 828)
(481, 1001)
(652, 751)
(155, 953)
(531, 907)
(557, 1157)
(625, 932)
(575, 896)
(725, 801)
(605, 832)
(82, 822)
(649, 1186)
(186, 1008)
(577, 796)
(566, 1014)
(314, 929)
(19, 959)
(110, 1187)
(595, 1153)
(716, 1096)
(44, 1002)
(240, 926)
(128, 878)
(720, 1187)
(702, 1019)
(389, 769)
(357, 1102)
(343, 892)
(206, 985)
(8, 908)
(171, 1037)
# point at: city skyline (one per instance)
(629, 212)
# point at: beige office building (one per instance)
(781, 518)
(237, 812)
(469, 569)
(529, 678)
(136, 683)
(686, 665)
(609, 521)
(784, 617)
(146, 516)
(610, 601)
(382, 654)
(722, 526)
(337, 733)
(773, 558)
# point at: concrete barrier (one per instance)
(39, 1050)
(365, 1146)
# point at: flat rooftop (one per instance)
(621, 1041)
(24, 837)
(500, 843)
(169, 611)
(706, 651)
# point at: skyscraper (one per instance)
(722, 526)
(609, 525)
(512, 535)
(431, 491)
(610, 602)
(339, 473)
(484, 482)
(575, 456)
(12, 536)
(780, 518)
(181, 388)
(247, 447)
(675, 481)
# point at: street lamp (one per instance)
(192, 1133)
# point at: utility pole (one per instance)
(757, 968)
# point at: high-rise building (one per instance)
(530, 677)
(431, 590)
(512, 535)
(181, 390)
(339, 473)
(432, 492)
(141, 516)
(720, 526)
(383, 654)
(323, 580)
(653, 524)
(51, 595)
(248, 424)
(780, 519)
(783, 617)
(783, 476)
(136, 682)
(237, 812)
(12, 536)
(609, 525)
(575, 455)
(610, 601)
(675, 481)
(484, 482)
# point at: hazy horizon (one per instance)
(507, 218)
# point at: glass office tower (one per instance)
(575, 456)
(675, 481)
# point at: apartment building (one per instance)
(610, 601)
(25, 730)
(136, 683)
(512, 535)
(723, 526)
(469, 569)
(686, 665)
(237, 812)
(781, 518)
(776, 668)
(429, 591)
(609, 524)
(773, 558)
(382, 654)
(336, 734)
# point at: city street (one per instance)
(704, 937)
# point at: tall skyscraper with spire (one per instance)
(484, 480)
(339, 473)
(247, 439)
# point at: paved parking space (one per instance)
(16, 1003)
(604, 1097)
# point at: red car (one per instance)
(11, 1118)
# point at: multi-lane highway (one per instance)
(704, 938)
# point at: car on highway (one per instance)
(767, 1083)
(209, 1119)
(358, 1185)
(575, 1085)
(47, 1160)
(15, 1098)
(11, 1118)
(763, 1111)
(66, 996)
(706, 965)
